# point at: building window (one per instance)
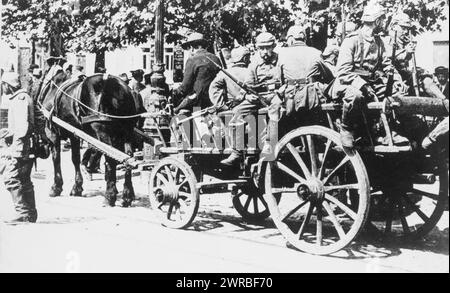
(144, 59)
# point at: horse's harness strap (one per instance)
(94, 118)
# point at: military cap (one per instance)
(372, 12)
(194, 38)
(5, 132)
(265, 39)
(441, 70)
(12, 79)
(402, 19)
(329, 50)
(298, 32)
(239, 53)
(138, 72)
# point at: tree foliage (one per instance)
(104, 25)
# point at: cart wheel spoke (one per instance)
(334, 220)
(346, 186)
(402, 217)
(319, 226)
(299, 160)
(288, 171)
(306, 221)
(169, 212)
(247, 203)
(263, 201)
(390, 217)
(313, 155)
(325, 155)
(162, 179)
(293, 211)
(426, 194)
(341, 205)
(255, 205)
(342, 163)
(415, 208)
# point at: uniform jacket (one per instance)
(199, 74)
(322, 71)
(362, 52)
(223, 90)
(261, 71)
(297, 61)
(21, 123)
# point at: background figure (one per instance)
(441, 74)
(90, 162)
(136, 83)
(24, 119)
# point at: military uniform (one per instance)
(17, 161)
(362, 66)
(199, 74)
(223, 91)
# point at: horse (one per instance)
(101, 106)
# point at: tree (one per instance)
(102, 25)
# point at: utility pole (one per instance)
(158, 79)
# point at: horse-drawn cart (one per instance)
(319, 195)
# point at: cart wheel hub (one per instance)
(166, 194)
(312, 190)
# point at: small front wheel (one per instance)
(173, 193)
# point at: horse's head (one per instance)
(108, 94)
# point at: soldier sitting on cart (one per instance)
(362, 68)
(264, 77)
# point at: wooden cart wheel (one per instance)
(314, 212)
(173, 193)
(249, 202)
(414, 211)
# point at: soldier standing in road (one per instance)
(361, 67)
(198, 75)
(24, 118)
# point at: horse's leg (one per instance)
(110, 177)
(128, 192)
(57, 189)
(77, 189)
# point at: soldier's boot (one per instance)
(24, 204)
(268, 151)
(346, 133)
(441, 130)
(236, 156)
(234, 159)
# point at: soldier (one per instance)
(265, 77)
(324, 70)
(24, 118)
(362, 65)
(198, 75)
(136, 83)
(441, 74)
(224, 93)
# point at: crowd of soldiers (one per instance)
(283, 79)
(298, 77)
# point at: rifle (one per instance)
(414, 70)
(242, 85)
(220, 55)
(390, 81)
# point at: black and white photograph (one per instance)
(240, 138)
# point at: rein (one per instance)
(93, 110)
